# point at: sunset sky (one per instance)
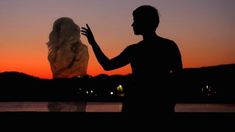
(204, 30)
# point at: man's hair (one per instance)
(148, 14)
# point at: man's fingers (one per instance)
(83, 33)
(84, 29)
(88, 27)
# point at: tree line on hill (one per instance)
(205, 84)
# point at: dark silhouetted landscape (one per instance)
(214, 84)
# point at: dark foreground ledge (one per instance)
(121, 121)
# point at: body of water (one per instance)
(109, 107)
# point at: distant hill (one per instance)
(16, 75)
(204, 84)
(211, 84)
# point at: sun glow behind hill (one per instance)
(204, 34)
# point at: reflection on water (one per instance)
(43, 107)
(23, 106)
(205, 108)
(111, 107)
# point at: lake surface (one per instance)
(110, 107)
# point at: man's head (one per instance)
(146, 19)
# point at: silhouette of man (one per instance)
(154, 61)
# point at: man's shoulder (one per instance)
(166, 40)
(135, 45)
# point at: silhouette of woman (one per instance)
(154, 61)
(68, 56)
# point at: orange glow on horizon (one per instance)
(203, 30)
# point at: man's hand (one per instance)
(88, 33)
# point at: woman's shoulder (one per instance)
(84, 47)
